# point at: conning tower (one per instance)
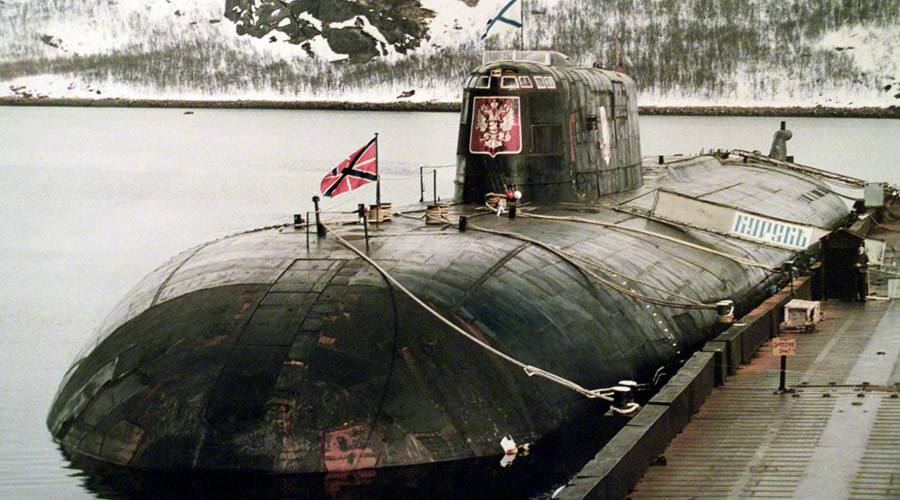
(555, 132)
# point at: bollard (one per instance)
(622, 396)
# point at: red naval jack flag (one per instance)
(358, 169)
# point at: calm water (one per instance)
(93, 199)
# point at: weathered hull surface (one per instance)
(257, 352)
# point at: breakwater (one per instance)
(445, 106)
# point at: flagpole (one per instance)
(522, 33)
(377, 177)
(377, 184)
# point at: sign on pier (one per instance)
(784, 346)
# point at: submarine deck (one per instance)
(836, 436)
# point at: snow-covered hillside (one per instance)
(682, 52)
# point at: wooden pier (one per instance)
(835, 434)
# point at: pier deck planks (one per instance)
(831, 439)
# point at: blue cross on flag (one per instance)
(503, 16)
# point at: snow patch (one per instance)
(362, 22)
(70, 86)
(102, 27)
(320, 47)
(873, 49)
(57, 86)
(306, 16)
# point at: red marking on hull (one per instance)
(352, 447)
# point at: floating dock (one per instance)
(834, 434)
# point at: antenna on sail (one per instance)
(522, 44)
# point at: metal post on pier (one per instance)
(784, 347)
(791, 277)
(320, 229)
(421, 184)
(362, 213)
(307, 232)
(782, 385)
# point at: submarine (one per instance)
(566, 265)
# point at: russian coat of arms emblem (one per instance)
(496, 126)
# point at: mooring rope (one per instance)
(604, 394)
(568, 257)
(651, 286)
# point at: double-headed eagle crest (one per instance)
(495, 127)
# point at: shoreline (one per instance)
(412, 106)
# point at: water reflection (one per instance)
(547, 465)
(91, 200)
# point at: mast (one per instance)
(522, 44)
(377, 178)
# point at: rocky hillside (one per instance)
(807, 53)
(335, 29)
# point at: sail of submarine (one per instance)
(258, 352)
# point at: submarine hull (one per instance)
(280, 350)
(257, 353)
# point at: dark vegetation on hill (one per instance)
(713, 50)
